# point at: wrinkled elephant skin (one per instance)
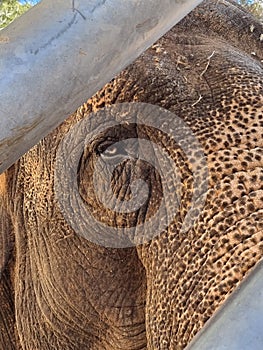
(60, 290)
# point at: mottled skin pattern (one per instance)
(59, 291)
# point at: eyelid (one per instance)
(103, 146)
(111, 149)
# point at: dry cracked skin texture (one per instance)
(60, 291)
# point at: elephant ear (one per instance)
(5, 225)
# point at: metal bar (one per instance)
(239, 323)
(61, 52)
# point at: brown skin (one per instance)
(60, 291)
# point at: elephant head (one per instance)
(71, 291)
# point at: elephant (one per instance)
(60, 290)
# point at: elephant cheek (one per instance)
(116, 215)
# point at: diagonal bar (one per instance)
(238, 325)
(61, 52)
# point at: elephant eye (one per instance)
(110, 151)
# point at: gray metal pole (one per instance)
(61, 52)
(238, 325)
